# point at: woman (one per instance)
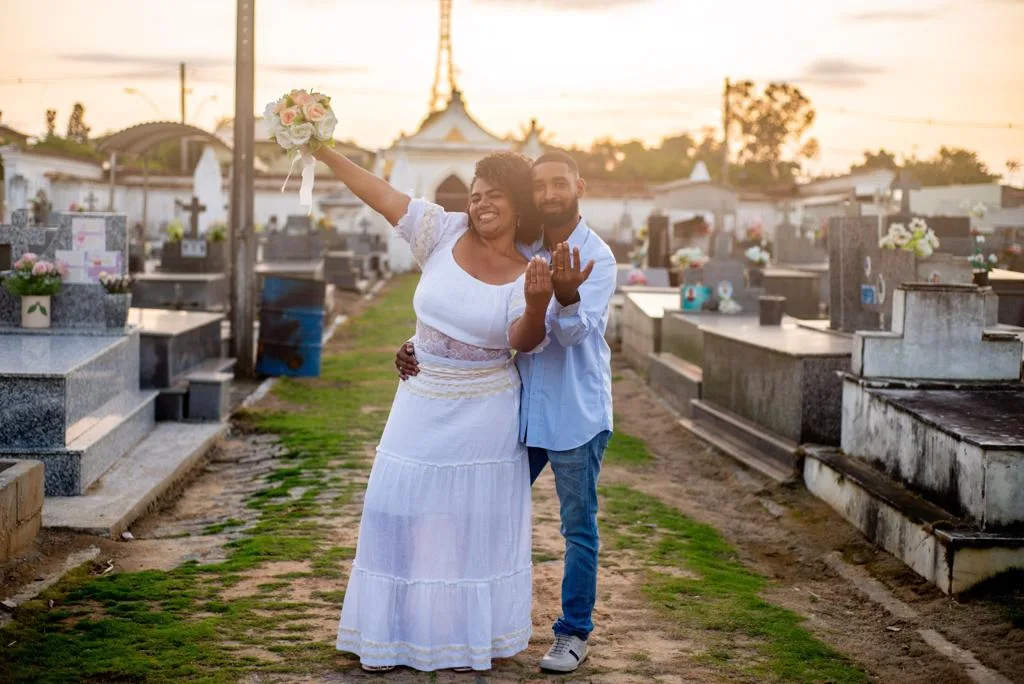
(442, 576)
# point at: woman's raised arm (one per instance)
(376, 192)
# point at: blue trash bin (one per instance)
(291, 327)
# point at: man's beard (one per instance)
(562, 218)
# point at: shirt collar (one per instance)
(577, 238)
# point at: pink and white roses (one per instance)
(302, 119)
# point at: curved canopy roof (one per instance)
(144, 137)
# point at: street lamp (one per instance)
(199, 108)
(147, 98)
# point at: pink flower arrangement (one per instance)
(35, 277)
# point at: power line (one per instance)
(921, 121)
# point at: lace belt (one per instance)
(451, 379)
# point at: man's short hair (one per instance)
(559, 157)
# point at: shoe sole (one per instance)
(555, 671)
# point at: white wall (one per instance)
(31, 170)
(603, 214)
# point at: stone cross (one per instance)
(194, 208)
(21, 237)
(905, 183)
(90, 201)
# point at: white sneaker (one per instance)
(565, 655)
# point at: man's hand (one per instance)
(567, 276)
(538, 287)
(405, 362)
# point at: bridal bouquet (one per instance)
(302, 119)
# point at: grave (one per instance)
(769, 389)
(931, 466)
(178, 351)
(1009, 286)
(340, 270)
(192, 273)
(801, 288)
(642, 311)
(656, 277)
(88, 244)
(70, 396)
(864, 275)
(795, 245)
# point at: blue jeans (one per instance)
(576, 474)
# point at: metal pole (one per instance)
(113, 179)
(243, 237)
(184, 142)
(725, 134)
(145, 197)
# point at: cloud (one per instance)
(885, 15)
(836, 72)
(570, 5)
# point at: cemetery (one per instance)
(900, 408)
(816, 471)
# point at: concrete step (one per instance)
(737, 450)
(112, 431)
(129, 488)
(749, 443)
(675, 380)
(949, 551)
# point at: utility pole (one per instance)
(184, 141)
(726, 120)
(243, 237)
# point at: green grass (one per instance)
(753, 640)
(627, 450)
(171, 626)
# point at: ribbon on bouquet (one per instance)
(308, 173)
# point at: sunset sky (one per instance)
(584, 68)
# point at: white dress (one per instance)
(442, 576)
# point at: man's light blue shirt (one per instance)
(567, 387)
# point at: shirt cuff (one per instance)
(565, 311)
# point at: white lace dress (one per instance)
(442, 574)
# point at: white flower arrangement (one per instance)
(917, 238)
(689, 257)
(758, 255)
(979, 261)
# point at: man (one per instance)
(566, 412)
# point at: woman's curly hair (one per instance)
(512, 173)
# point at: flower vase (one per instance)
(35, 312)
(115, 310)
(755, 277)
(981, 278)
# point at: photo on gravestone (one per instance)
(727, 280)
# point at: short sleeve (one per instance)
(515, 308)
(425, 226)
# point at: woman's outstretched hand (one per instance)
(538, 287)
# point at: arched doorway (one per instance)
(452, 194)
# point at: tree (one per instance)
(771, 126)
(883, 159)
(77, 130)
(949, 166)
(51, 124)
